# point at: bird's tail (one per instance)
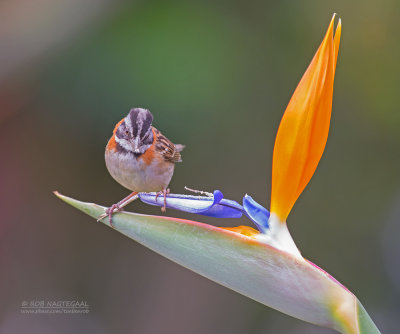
(179, 147)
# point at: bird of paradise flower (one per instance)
(263, 264)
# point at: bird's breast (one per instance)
(139, 173)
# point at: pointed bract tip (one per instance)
(62, 197)
(338, 27)
(55, 192)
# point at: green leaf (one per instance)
(270, 276)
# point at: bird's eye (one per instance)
(127, 132)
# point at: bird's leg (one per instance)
(163, 192)
(118, 206)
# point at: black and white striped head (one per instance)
(135, 134)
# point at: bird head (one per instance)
(134, 134)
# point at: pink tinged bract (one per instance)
(249, 266)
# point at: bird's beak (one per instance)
(135, 145)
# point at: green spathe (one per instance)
(273, 277)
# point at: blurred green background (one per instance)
(217, 76)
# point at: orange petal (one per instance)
(245, 230)
(304, 127)
(336, 40)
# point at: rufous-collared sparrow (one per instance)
(140, 157)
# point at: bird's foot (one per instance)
(118, 207)
(109, 212)
(163, 192)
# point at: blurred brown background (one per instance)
(217, 76)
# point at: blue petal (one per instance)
(257, 213)
(215, 206)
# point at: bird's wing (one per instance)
(168, 150)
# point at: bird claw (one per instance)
(104, 215)
(163, 192)
(118, 207)
(109, 212)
